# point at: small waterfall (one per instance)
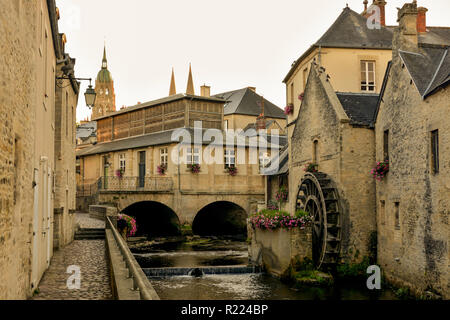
(199, 271)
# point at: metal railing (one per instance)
(88, 189)
(135, 184)
(140, 280)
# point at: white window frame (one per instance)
(193, 155)
(230, 157)
(163, 156)
(122, 161)
(365, 76)
(225, 125)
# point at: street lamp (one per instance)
(89, 95)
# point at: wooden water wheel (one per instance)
(318, 196)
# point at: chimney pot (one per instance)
(422, 19)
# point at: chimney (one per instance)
(368, 12)
(407, 27)
(261, 122)
(205, 91)
(422, 19)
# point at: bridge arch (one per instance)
(220, 218)
(153, 219)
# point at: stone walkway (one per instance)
(90, 256)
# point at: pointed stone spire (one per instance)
(104, 61)
(173, 89)
(190, 84)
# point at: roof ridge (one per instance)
(436, 72)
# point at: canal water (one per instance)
(162, 259)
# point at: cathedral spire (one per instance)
(173, 90)
(104, 61)
(190, 84)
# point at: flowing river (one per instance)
(222, 274)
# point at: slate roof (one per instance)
(86, 130)
(359, 107)
(283, 164)
(162, 138)
(246, 102)
(350, 31)
(253, 125)
(429, 69)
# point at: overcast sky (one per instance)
(231, 43)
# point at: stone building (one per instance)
(67, 92)
(333, 90)
(413, 134)
(139, 166)
(105, 102)
(31, 47)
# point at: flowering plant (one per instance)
(301, 96)
(161, 169)
(131, 224)
(311, 167)
(275, 219)
(282, 194)
(119, 173)
(380, 170)
(289, 109)
(272, 205)
(195, 168)
(232, 170)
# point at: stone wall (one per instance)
(276, 249)
(344, 152)
(65, 186)
(413, 203)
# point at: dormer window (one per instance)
(368, 76)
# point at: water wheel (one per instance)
(318, 196)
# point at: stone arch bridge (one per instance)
(205, 212)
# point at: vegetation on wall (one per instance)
(274, 219)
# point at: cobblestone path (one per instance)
(90, 256)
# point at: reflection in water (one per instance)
(231, 286)
(251, 287)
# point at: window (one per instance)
(225, 125)
(367, 75)
(386, 145)
(382, 211)
(292, 93)
(264, 159)
(305, 78)
(163, 156)
(435, 151)
(397, 216)
(230, 158)
(122, 161)
(316, 152)
(193, 156)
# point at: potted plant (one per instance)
(232, 170)
(289, 109)
(380, 170)
(311, 167)
(162, 169)
(301, 96)
(194, 168)
(126, 225)
(119, 173)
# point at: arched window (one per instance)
(316, 151)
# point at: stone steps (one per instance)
(90, 234)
